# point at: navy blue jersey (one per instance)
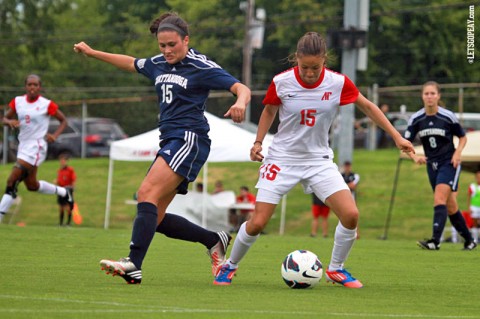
(436, 133)
(182, 90)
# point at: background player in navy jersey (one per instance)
(307, 98)
(183, 78)
(436, 127)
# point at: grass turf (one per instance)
(52, 272)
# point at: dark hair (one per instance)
(33, 76)
(245, 188)
(170, 21)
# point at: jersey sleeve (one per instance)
(471, 187)
(458, 130)
(12, 105)
(271, 97)
(349, 92)
(52, 108)
(218, 79)
(144, 66)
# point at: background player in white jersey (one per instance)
(30, 113)
(436, 127)
(307, 98)
(183, 79)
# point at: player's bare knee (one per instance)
(254, 227)
(32, 187)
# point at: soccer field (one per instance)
(51, 272)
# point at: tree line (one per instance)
(409, 41)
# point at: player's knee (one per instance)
(32, 187)
(10, 190)
(350, 219)
(255, 226)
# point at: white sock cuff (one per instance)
(245, 238)
(346, 232)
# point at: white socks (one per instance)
(242, 243)
(7, 201)
(48, 188)
(344, 239)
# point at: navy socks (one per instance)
(460, 225)
(439, 219)
(143, 231)
(177, 227)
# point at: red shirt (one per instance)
(249, 198)
(66, 176)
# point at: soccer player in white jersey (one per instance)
(30, 113)
(307, 97)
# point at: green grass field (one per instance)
(52, 272)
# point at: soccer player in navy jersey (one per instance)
(183, 79)
(436, 127)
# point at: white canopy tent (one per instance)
(230, 143)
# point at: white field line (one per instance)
(160, 309)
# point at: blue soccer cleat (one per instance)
(342, 277)
(224, 276)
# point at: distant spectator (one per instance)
(236, 218)
(319, 210)
(199, 187)
(218, 187)
(350, 177)
(66, 177)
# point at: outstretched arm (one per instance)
(374, 112)
(121, 61)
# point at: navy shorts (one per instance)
(443, 173)
(185, 156)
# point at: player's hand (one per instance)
(13, 123)
(419, 159)
(50, 138)
(256, 152)
(405, 145)
(236, 112)
(456, 160)
(83, 48)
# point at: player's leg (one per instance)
(247, 234)
(150, 194)
(178, 227)
(324, 212)
(19, 172)
(343, 204)
(458, 222)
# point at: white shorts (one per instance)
(274, 181)
(475, 211)
(33, 152)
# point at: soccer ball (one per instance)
(301, 269)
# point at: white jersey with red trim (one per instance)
(306, 114)
(33, 116)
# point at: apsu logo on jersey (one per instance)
(326, 96)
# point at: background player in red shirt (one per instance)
(66, 177)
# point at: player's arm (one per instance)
(374, 113)
(266, 119)
(456, 158)
(121, 61)
(10, 120)
(52, 137)
(237, 110)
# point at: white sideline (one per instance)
(155, 309)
